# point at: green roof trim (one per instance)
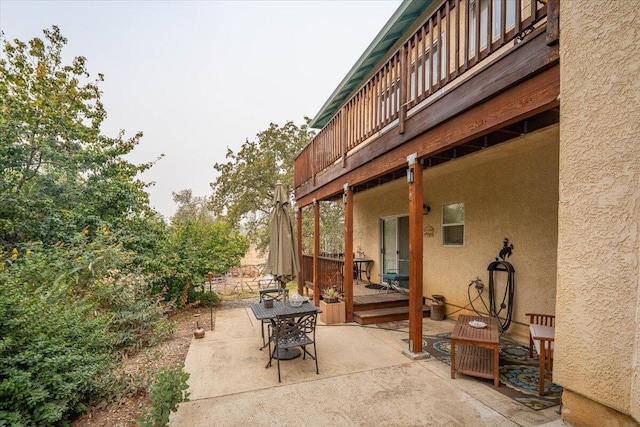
(396, 26)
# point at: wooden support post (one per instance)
(299, 249)
(348, 252)
(415, 254)
(316, 252)
(553, 22)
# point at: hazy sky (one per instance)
(199, 76)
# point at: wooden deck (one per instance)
(371, 306)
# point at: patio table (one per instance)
(263, 313)
(479, 348)
(362, 265)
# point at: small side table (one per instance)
(479, 348)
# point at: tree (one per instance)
(58, 173)
(196, 244)
(191, 207)
(243, 190)
(331, 228)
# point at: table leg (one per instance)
(453, 359)
(496, 366)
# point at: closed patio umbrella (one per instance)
(282, 261)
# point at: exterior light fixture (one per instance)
(426, 209)
(410, 175)
(411, 159)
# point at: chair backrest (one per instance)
(274, 294)
(292, 325)
(542, 319)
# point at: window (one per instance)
(453, 224)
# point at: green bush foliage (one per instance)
(193, 248)
(68, 312)
(209, 299)
(168, 390)
(52, 352)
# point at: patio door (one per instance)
(395, 245)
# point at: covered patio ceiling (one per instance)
(508, 133)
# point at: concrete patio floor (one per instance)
(365, 380)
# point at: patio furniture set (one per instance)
(290, 326)
(475, 340)
(475, 347)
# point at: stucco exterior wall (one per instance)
(597, 338)
(508, 191)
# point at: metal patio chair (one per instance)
(275, 294)
(294, 330)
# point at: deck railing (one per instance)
(453, 40)
(331, 271)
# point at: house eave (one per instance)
(401, 21)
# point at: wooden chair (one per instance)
(294, 330)
(541, 336)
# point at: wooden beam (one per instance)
(299, 250)
(316, 253)
(348, 253)
(415, 258)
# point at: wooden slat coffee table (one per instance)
(478, 348)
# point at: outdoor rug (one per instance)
(374, 286)
(518, 372)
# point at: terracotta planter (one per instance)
(332, 312)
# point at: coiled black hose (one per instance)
(507, 298)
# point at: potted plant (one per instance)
(330, 295)
(333, 310)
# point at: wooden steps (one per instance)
(373, 302)
(382, 315)
(383, 307)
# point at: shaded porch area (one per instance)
(230, 386)
(372, 303)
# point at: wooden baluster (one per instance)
(404, 77)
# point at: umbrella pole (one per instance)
(282, 291)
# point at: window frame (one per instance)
(453, 224)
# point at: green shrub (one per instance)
(68, 313)
(52, 352)
(209, 299)
(168, 390)
(136, 317)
